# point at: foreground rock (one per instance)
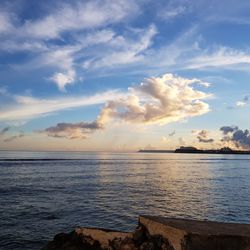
(158, 233)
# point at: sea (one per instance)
(44, 193)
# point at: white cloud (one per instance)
(26, 107)
(5, 22)
(63, 79)
(244, 102)
(69, 17)
(98, 37)
(189, 52)
(221, 57)
(60, 57)
(158, 100)
(168, 13)
(121, 50)
(84, 22)
(94, 44)
(241, 104)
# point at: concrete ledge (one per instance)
(185, 234)
(155, 232)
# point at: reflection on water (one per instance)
(43, 197)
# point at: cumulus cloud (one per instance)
(79, 130)
(237, 137)
(159, 100)
(228, 129)
(241, 138)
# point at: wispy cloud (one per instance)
(78, 20)
(65, 17)
(221, 57)
(214, 12)
(82, 38)
(122, 50)
(169, 12)
(5, 22)
(26, 107)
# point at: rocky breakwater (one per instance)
(158, 233)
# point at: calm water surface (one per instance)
(44, 193)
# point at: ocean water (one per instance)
(44, 193)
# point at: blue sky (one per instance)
(123, 75)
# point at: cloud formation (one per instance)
(60, 35)
(81, 36)
(203, 136)
(171, 12)
(78, 15)
(79, 130)
(244, 102)
(237, 137)
(228, 129)
(63, 79)
(27, 107)
(121, 50)
(159, 100)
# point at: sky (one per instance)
(123, 75)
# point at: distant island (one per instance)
(193, 150)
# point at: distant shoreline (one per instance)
(193, 150)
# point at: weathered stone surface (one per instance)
(199, 235)
(155, 233)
